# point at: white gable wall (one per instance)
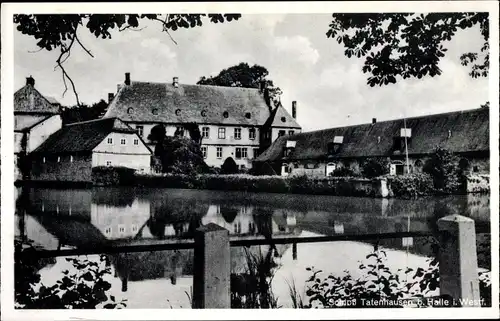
(39, 133)
(117, 154)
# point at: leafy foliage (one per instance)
(379, 283)
(374, 167)
(406, 44)
(444, 168)
(60, 31)
(229, 166)
(86, 288)
(344, 171)
(242, 75)
(411, 185)
(83, 112)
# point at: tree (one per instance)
(83, 112)
(406, 44)
(242, 75)
(61, 31)
(444, 168)
(374, 167)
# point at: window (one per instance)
(219, 152)
(121, 229)
(238, 152)
(251, 133)
(107, 231)
(283, 119)
(155, 111)
(225, 114)
(134, 228)
(110, 141)
(108, 163)
(205, 132)
(123, 141)
(291, 132)
(203, 113)
(204, 152)
(237, 133)
(222, 133)
(244, 152)
(58, 159)
(140, 130)
(43, 160)
(255, 152)
(281, 133)
(177, 112)
(475, 169)
(248, 115)
(179, 131)
(71, 159)
(136, 141)
(130, 110)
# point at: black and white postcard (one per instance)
(168, 160)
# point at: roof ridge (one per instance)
(398, 119)
(92, 121)
(197, 85)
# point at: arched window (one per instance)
(225, 114)
(204, 113)
(130, 110)
(177, 112)
(155, 111)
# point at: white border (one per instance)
(7, 170)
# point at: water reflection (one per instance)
(54, 218)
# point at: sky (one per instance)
(330, 89)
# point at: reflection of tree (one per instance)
(178, 213)
(263, 219)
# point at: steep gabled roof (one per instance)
(162, 102)
(281, 118)
(23, 103)
(83, 136)
(469, 131)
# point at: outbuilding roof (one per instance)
(83, 136)
(29, 100)
(459, 132)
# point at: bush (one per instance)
(412, 185)
(374, 167)
(379, 283)
(229, 166)
(344, 171)
(445, 171)
(107, 176)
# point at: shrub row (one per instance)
(110, 176)
(413, 185)
(343, 186)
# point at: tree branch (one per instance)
(65, 54)
(165, 28)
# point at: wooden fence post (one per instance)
(458, 272)
(212, 265)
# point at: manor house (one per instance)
(234, 122)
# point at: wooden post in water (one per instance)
(458, 272)
(212, 268)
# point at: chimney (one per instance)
(127, 78)
(374, 120)
(175, 82)
(30, 81)
(110, 97)
(294, 109)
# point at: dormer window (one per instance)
(248, 115)
(130, 110)
(155, 111)
(290, 147)
(334, 146)
(204, 113)
(177, 112)
(225, 114)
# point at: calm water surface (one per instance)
(61, 218)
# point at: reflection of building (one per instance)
(319, 153)
(234, 122)
(36, 117)
(72, 152)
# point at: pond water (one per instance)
(61, 218)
